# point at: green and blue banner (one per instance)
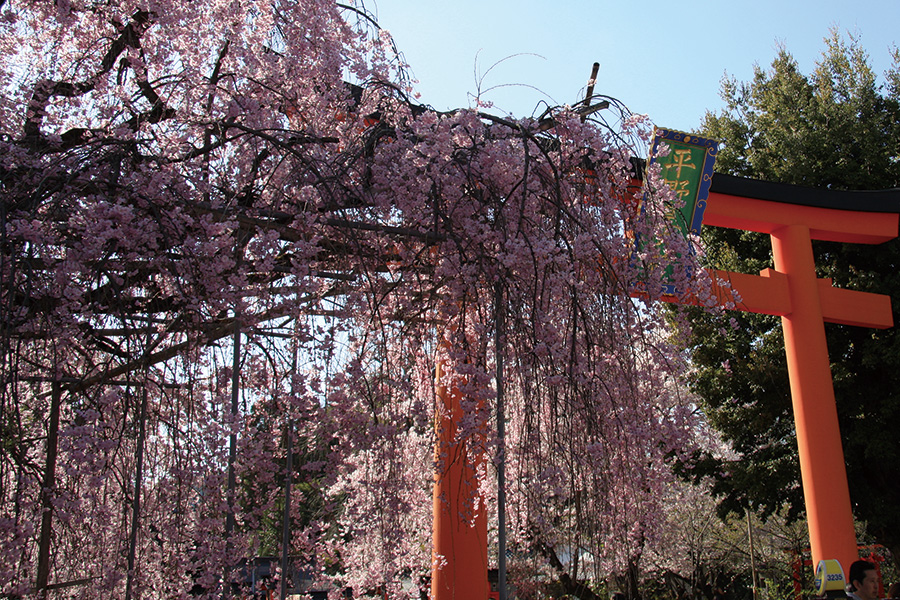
(688, 170)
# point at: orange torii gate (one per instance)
(792, 216)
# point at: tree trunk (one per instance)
(632, 581)
(572, 587)
(43, 568)
(138, 487)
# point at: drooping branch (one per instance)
(371, 224)
(45, 90)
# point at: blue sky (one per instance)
(662, 58)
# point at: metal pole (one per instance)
(288, 480)
(286, 520)
(232, 438)
(499, 344)
(232, 452)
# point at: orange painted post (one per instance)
(827, 497)
(459, 564)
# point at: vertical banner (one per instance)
(687, 169)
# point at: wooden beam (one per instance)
(850, 307)
(767, 293)
(750, 214)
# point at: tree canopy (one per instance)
(836, 128)
(225, 226)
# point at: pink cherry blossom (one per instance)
(227, 221)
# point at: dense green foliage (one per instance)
(835, 128)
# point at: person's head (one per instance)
(864, 580)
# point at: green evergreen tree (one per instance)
(838, 129)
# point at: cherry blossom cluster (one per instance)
(227, 231)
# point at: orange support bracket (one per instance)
(768, 293)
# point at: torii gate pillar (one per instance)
(459, 536)
(828, 509)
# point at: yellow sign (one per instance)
(829, 578)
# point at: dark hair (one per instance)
(858, 571)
